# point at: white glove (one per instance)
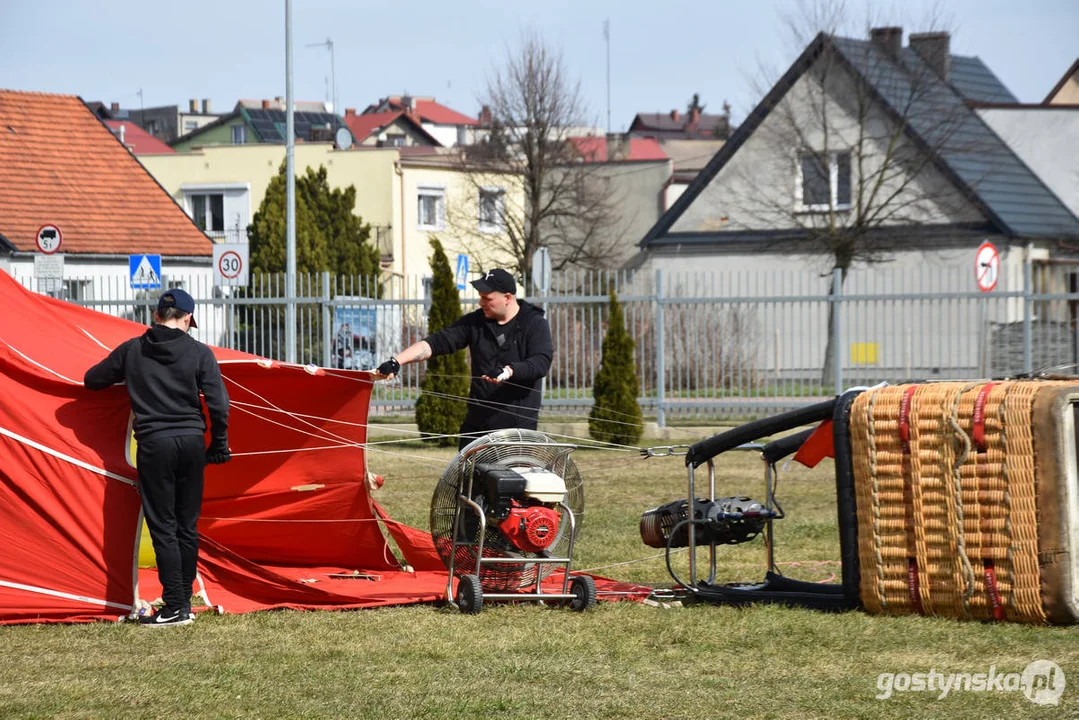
(505, 375)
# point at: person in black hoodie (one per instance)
(510, 344)
(165, 369)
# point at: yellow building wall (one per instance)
(460, 232)
(387, 194)
(370, 170)
(1068, 94)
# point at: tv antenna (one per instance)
(333, 75)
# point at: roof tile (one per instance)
(84, 181)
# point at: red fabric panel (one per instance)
(291, 505)
(819, 445)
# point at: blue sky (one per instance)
(661, 52)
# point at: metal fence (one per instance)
(709, 347)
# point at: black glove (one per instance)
(390, 367)
(218, 452)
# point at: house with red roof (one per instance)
(393, 128)
(135, 139)
(448, 126)
(635, 174)
(90, 186)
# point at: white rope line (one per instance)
(65, 457)
(301, 431)
(35, 362)
(66, 596)
(631, 562)
(289, 450)
(328, 436)
(87, 334)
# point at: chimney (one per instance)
(206, 106)
(279, 102)
(888, 39)
(934, 48)
(350, 112)
(265, 104)
(193, 105)
(694, 116)
(485, 115)
(122, 129)
(115, 107)
(408, 103)
(674, 115)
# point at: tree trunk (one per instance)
(827, 375)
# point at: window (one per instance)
(190, 126)
(78, 290)
(208, 211)
(823, 182)
(492, 206)
(151, 127)
(432, 208)
(239, 134)
(395, 140)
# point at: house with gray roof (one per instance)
(892, 164)
(906, 121)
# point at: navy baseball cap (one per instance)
(497, 280)
(179, 299)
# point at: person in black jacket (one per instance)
(165, 369)
(510, 344)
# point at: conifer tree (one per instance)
(441, 407)
(616, 415)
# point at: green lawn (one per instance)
(621, 660)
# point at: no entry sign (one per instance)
(987, 267)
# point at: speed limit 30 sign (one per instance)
(230, 264)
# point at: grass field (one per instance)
(621, 660)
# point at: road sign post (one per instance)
(987, 267)
(144, 271)
(461, 275)
(49, 239)
(231, 264)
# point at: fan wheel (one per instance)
(583, 589)
(469, 594)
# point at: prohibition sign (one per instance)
(49, 239)
(987, 267)
(230, 264)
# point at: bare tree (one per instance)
(555, 201)
(864, 129)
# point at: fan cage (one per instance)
(512, 449)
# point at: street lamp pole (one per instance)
(290, 198)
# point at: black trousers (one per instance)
(170, 481)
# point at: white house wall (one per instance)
(104, 285)
(755, 190)
(772, 296)
(1047, 140)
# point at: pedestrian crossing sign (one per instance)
(144, 271)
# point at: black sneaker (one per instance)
(166, 618)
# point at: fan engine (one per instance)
(522, 482)
(723, 521)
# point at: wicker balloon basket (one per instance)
(966, 496)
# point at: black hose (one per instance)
(708, 448)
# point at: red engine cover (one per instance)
(531, 528)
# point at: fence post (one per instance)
(661, 371)
(327, 320)
(837, 334)
(1028, 309)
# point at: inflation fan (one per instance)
(505, 515)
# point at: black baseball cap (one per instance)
(497, 280)
(179, 299)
